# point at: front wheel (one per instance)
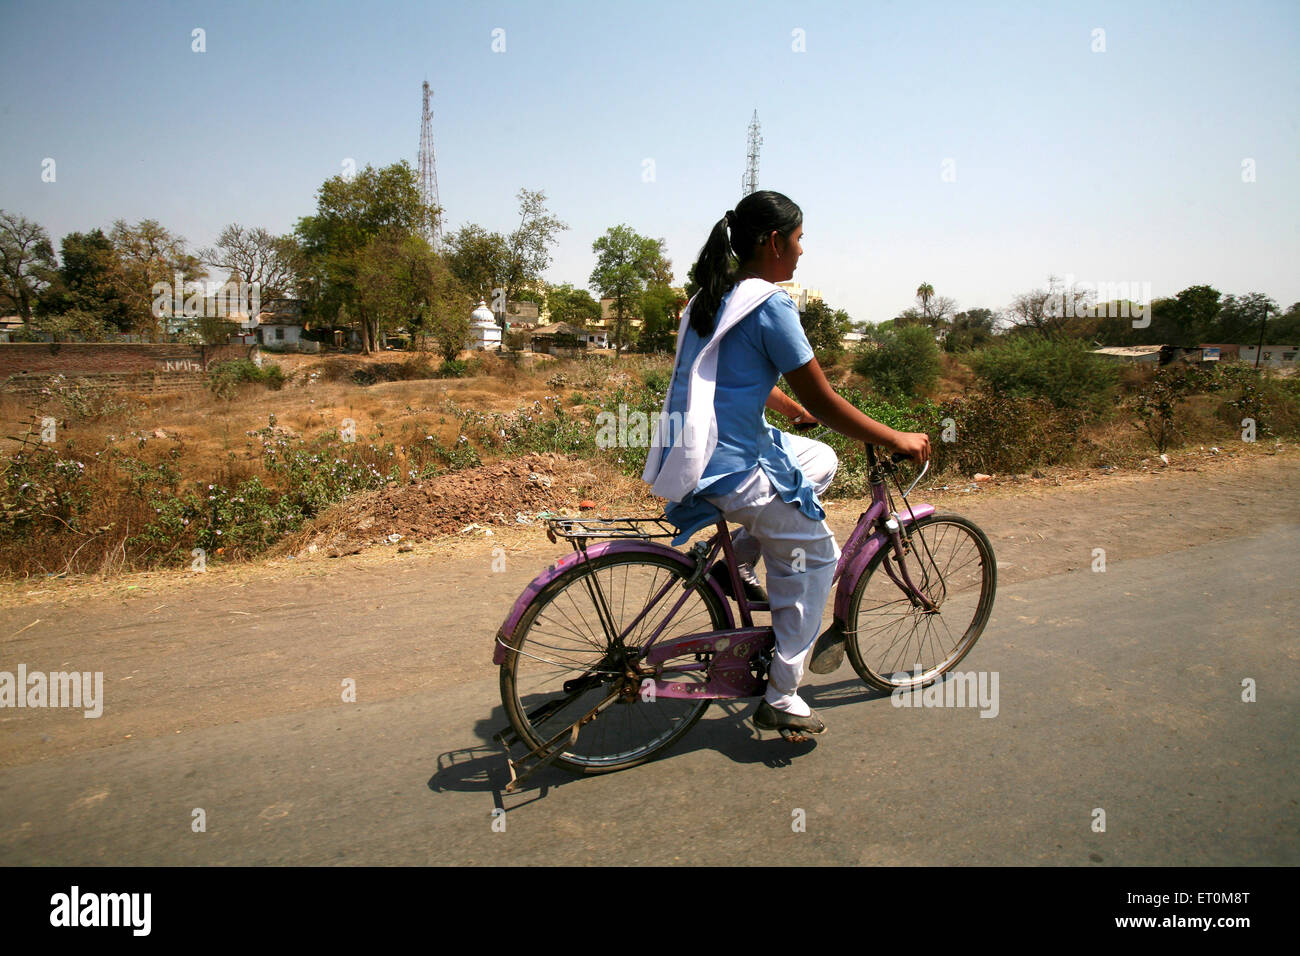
(563, 661)
(894, 644)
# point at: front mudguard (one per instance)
(570, 560)
(858, 553)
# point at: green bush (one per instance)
(997, 433)
(1062, 371)
(224, 377)
(899, 363)
(452, 368)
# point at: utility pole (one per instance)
(1260, 347)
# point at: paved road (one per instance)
(1119, 691)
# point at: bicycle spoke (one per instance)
(569, 636)
(952, 566)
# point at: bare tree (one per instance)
(1052, 310)
(255, 256)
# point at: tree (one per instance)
(351, 212)
(403, 282)
(825, 328)
(1241, 318)
(899, 362)
(564, 303)
(1055, 310)
(26, 264)
(478, 260)
(528, 248)
(1198, 310)
(257, 257)
(924, 293)
(1285, 329)
(969, 330)
(85, 284)
(661, 311)
(625, 261)
(147, 255)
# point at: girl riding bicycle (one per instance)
(714, 451)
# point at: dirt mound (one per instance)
(469, 501)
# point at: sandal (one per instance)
(768, 717)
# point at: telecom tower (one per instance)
(428, 169)
(749, 182)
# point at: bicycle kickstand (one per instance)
(517, 778)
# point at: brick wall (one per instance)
(27, 366)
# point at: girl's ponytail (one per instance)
(717, 269)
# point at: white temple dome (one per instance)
(482, 317)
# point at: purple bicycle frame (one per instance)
(732, 648)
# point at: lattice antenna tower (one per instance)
(429, 169)
(749, 182)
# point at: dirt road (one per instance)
(181, 652)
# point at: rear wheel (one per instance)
(563, 660)
(894, 644)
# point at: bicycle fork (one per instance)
(902, 577)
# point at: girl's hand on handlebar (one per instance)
(915, 445)
(804, 421)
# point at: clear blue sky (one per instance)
(1123, 165)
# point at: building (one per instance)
(801, 295)
(1270, 356)
(561, 338)
(484, 333)
(279, 326)
(1132, 354)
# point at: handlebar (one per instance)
(896, 458)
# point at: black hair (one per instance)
(716, 270)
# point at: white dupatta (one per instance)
(695, 441)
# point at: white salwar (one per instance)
(800, 555)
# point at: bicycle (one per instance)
(601, 670)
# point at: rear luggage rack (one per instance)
(575, 529)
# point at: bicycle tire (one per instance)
(542, 659)
(879, 612)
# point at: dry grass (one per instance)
(207, 437)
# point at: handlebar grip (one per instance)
(896, 457)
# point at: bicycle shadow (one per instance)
(482, 768)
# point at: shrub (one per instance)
(656, 379)
(899, 363)
(452, 368)
(1156, 404)
(995, 432)
(1062, 371)
(1272, 402)
(225, 377)
(83, 401)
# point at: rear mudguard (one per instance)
(857, 554)
(539, 583)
